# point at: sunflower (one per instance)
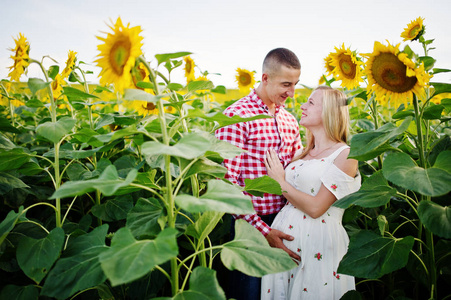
(189, 68)
(347, 67)
(245, 79)
(392, 76)
(118, 54)
(139, 73)
(20, 57)
(57, 86)
(414, 30)
(143, 108)
(327, 64)
(70, 64)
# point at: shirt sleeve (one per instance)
(339, 183)
(236, 134)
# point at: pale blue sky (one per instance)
(223, 35)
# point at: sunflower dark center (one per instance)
(149, 106)
(245, 79)
(390, 73)
(347, 66)
(120, 52)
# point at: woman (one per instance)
(311, 183)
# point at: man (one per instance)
(281, 71)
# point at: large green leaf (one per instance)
(204, 225)
(54, 131)
(36, 256)
(200, 85)
(9, 182)
(221, 197)
(443, 161)
(114, 209)
(375, 142)
(203, 285)
(440, 88)
(129, 259)
(76, 94)
(400, 169)
(36, 84)
(5, 126)
(436, 218)
(13, 159)
(15, 292)
(161, 58)
(108, 183)
(8, 223)
(251, 254)
(79, 268)
(189, 147)
(222, 119)
(372, 256)
(374, 192)
(206, 166)
(146, 219)
(261, 185)
(136, 94)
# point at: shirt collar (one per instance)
(253, 95)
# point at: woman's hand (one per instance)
(274, 167)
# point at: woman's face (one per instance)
(312, 110)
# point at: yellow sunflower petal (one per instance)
(70, 64)
(118, 53)
(20, 57)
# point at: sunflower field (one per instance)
(116, 190)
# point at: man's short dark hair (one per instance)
(278, 57)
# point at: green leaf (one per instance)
(143, 219)
(204, 282)
(222, 119)
(204, 225)
(135, 94)
(108, 183)
(174, 86)
(221, 197)
(433, 112)
(36, 84)
(260, 186)
(79, 268)
(190, 146)
(168, 56)
(206, 166)
(435, 218)
(372, 256)
(114, 209)
(200, 85)
(9, 182)
(6, 126)
(251, 254)
(13, 159)
(220, 89)
(8, 223)
(36, 257)
(369, 144)
(76, 94)
(129, 259)
(440, 88)
(54, 131)
(15, 292)
(438, 70)
(443, 161)
(428, 62)
(400, 169)
(145, 85)
(53, 71)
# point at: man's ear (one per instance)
(265, 78)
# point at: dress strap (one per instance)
(337, 152)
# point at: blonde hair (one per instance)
(335, 116)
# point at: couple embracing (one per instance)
(302, 221)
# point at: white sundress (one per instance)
(321, 243)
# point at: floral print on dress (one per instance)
(290, 227)
(312, 191)
(318, 256)
(305, 290)
(334, 187)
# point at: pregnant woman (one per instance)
(312, 182)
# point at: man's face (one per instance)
(281, 84)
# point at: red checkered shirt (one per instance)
(256, 137)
